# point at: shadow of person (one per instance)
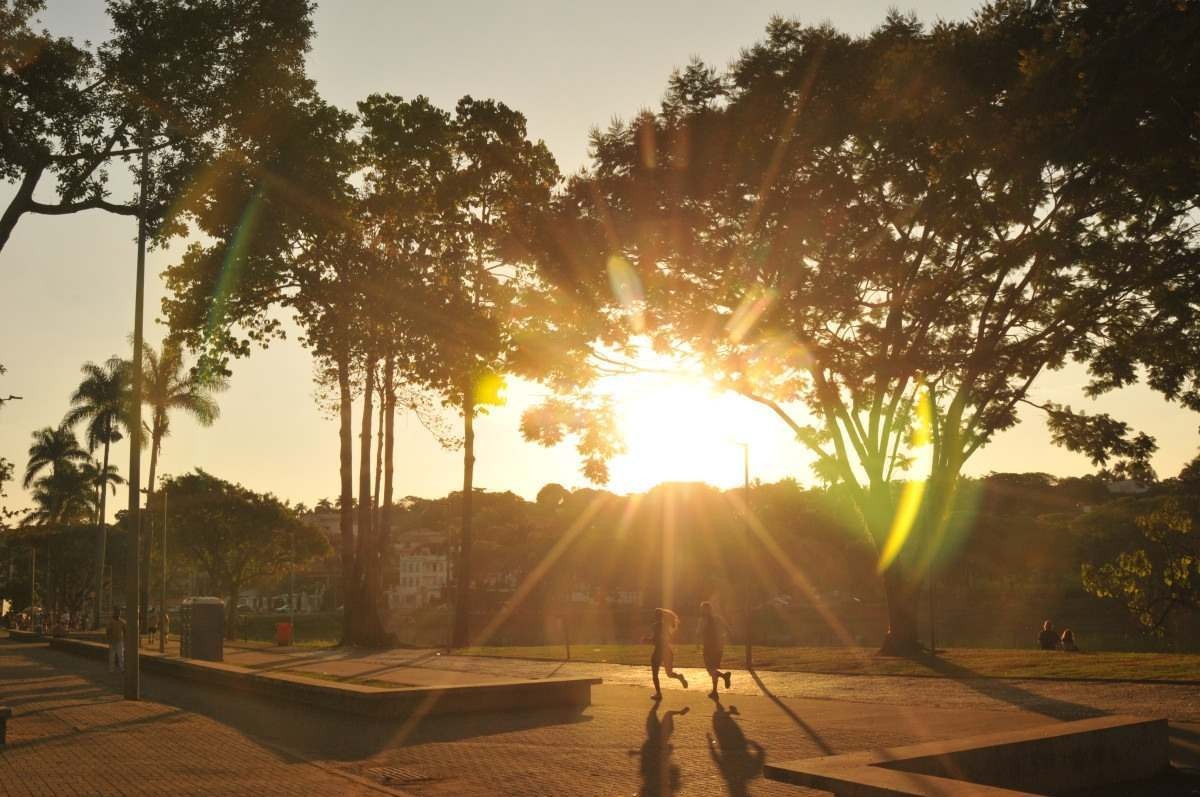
(660, 775)
(738, 759)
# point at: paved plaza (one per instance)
(72, 734)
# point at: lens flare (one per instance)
(627, 288)
(756, 301)
(235, 261)
(491, 390)
(914, 489)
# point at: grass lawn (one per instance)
(955, 663)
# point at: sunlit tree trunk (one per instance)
(346, 503)
(365, 629)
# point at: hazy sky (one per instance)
(66, 283)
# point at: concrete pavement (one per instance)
(209, 740)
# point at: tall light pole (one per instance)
(292, 582)
(748, 609)
(162, 592)
(132, 597)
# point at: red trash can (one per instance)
(283, 633)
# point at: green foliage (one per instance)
(52, 448)
(80, 111)
(232, 534)
(64, 556)
(853, 224)
(1161, 575)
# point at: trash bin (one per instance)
(202, 629)
(283, 633)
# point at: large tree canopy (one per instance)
(899, 233)
(76, 113)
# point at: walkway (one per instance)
(187, 738)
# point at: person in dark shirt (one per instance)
(1067, 641)
(1048, 640)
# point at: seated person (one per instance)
(1067, 642)
(1048, 640)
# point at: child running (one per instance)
(712, 625)
(665, 623)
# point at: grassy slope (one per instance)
(958, 663)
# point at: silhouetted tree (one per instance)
(900, 232)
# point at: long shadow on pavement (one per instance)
(661, 776)
(792, 715)
(738, 759)
(309, 731)
(1008, 692)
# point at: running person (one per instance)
(712, 626)
(665, 623)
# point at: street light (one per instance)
(162, 593)
(748, 608)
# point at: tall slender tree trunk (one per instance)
(377, 497)
(389, 447)
(102, 528)
(346, 502)
(462, 604)
(366, 622)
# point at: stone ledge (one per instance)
(368, 701)
(1049, 759)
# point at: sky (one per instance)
(66, 283)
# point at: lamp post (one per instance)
(748, 608)
(162, 592)
(292, 582)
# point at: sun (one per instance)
(680, 428)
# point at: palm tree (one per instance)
(169, 386)
(56, 449)
(101, 400)
(64, 496)
(98, 478)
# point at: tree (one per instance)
(78, 111)
(500, 179)
(55, 449)
(169, 387)
(102, 402)
(63, 497)
(1156, 571)
(899, 233)
(235, 535)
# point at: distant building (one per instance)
(419, 570)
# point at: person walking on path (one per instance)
(712, 630)
(1047, 639)
(116, 642)
(663, 655)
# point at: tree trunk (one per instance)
(462, 603)
(346, 508)
(102, 529)
(384, 532)
(20, 203)
(375, 495)
(366, 626)
(903, 593)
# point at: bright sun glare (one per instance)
(678, 428)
